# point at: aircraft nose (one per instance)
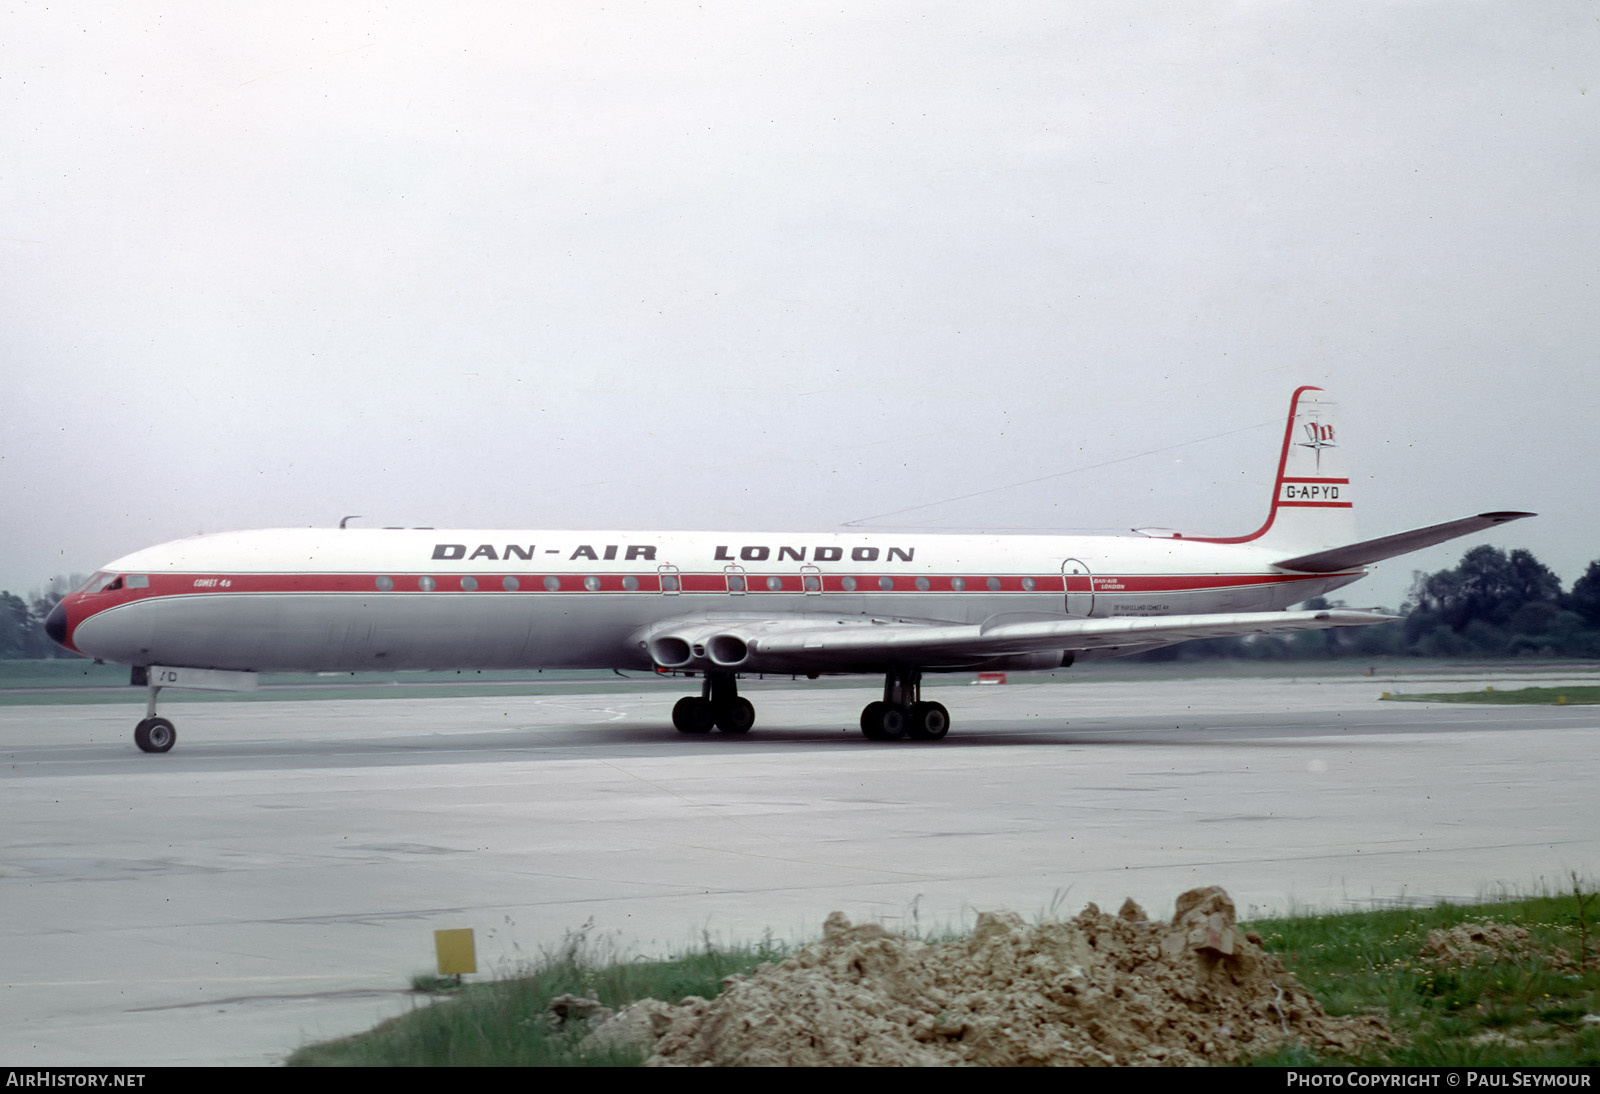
(55, 624)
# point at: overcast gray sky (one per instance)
(786, 266)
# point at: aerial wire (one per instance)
(859, 521)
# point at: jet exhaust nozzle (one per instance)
(671, 652)
(728, 650)
(705, 646)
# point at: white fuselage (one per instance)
(367, 599)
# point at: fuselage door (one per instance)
(1080, 587)
(810, 579)
(736, 579)
(671, 582)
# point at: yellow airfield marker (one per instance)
(456, 953)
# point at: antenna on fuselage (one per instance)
(346, 520)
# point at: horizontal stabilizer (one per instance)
(1375, 550)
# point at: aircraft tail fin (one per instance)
(1312, 518)
(1312, 503)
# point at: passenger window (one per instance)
(552, 584)
(469, 584)
(994, 584)
(510, 584)
(426, 584)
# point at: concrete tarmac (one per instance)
(276, 878)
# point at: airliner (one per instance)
(213, 611)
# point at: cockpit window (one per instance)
(110, 583)
(93, 584)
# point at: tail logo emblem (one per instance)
(1321, 437)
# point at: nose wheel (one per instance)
(155, 735)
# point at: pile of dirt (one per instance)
(1484, 943)
(1097, 989)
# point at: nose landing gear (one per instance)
(154, 734)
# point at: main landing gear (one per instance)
(718, 706)
(902, 713)
(899, 716)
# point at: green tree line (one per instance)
(1493, 604)
(22, 636)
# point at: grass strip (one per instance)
(1527, 1000)
(508, 1023)
(1522, 1003)
(1575, 695)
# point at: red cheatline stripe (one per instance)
(161, 585)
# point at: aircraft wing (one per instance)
(1375, 550)
(813, 644)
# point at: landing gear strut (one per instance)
(718, 705)
(154, 734)
(902, 713)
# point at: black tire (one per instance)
(929, 722)
(894, 723)
(155, 735)
(692, 714)
(885, 722)
(736, 717)
(871, 714)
